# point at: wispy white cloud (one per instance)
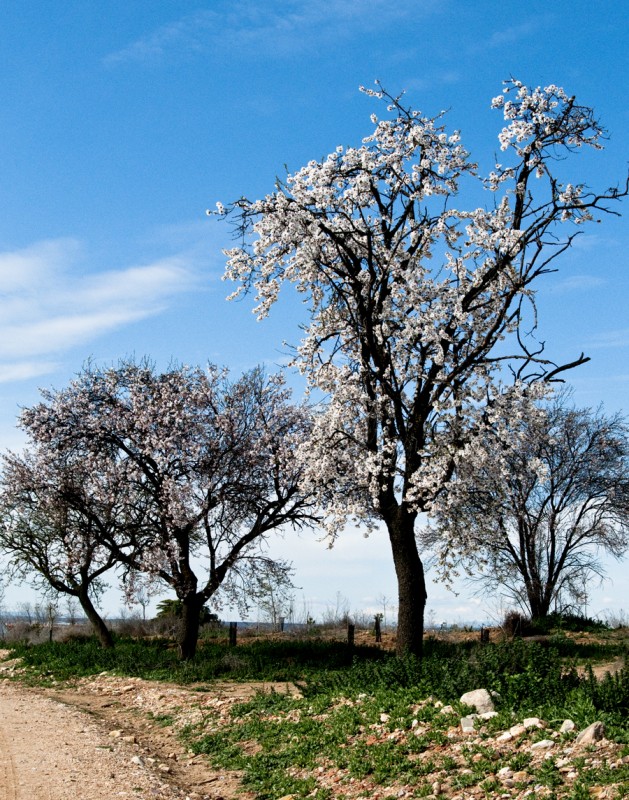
(275, 29)
(190, 33)
(614, 338)
(513, 34)
(50, 304)
(577, 283)
(443, 78)
(10, 373)
(26, 268)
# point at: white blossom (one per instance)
(414, 302)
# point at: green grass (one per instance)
(157, 659)
(163, 720)
(299, 741)
(362, 708)
(530, 678)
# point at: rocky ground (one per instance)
(108, 737)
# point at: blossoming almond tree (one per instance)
(211, 462)
(54, 515)
(415, 304)
(530, 515)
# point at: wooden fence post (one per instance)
(233, 632)
(377, 629)
(350, 633)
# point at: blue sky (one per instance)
(123, 122)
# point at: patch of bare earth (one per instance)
(114, 737)
(150, 717)
(110, 737)
(52, 751)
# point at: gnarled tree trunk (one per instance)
(97, 622)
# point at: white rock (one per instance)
(566, 726)
(446, 710)
(480, 699)
(532, 722)
(488, 715)
(517, 730)
(384, 717)
(593, 733)
(545, 744)
(504, 737)
(467, 725)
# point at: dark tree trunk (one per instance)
(539, 603)
(101, 630)
(411, 584)
(538, 593)
(189, 632)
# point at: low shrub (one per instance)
(517, 624)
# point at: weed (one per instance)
(163, 720)
(547, 773)
(520, 761)
(580, 791)
(491, 787)
(463, 780)
(361, 709)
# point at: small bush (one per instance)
(76, 634)
(517, 624)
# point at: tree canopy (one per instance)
(547, 494)
(209, 462)
(417, 305)
(56, 516)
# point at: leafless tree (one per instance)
(542, 511)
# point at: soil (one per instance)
(113, 737)
(53, 751)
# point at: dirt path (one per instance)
(50, 751)
(109, 737)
